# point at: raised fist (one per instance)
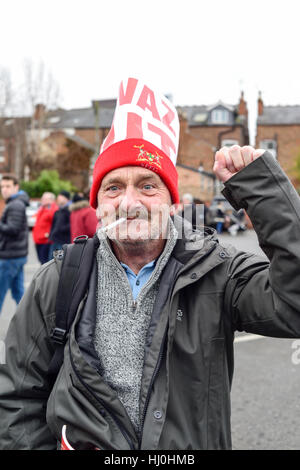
(231, 160)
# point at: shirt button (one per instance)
(194, 276)
(137, 282)
(222, 254)
(157, 414)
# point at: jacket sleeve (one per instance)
(24, 383)
(15, 219)
(264, 297)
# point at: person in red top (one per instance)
(42, 227)
(83, 218)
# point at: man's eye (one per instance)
(112, 188)
(148, 186)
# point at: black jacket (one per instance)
(60, 230)
(14, 227)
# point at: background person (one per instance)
(60, 230)
(220, 218)
(42, 227)
(83, 220)
(190, 212)
(13, 239)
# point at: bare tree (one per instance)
(5, 91)
(39, 87)
(40, 93)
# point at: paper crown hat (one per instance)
(144, 132)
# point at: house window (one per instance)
(229, 143)
(270, 145)
(220, 116)
(2, 150)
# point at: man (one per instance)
(13, 239)
(191, 211)
(60, 230)
(148, 362)
(42, 227)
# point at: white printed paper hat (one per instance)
(144, 132)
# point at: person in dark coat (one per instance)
(13, 239)
(60, 229)
(83, 219)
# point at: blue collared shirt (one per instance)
(137, 281)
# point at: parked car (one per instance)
(31, 211)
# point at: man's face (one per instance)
(141, 197)
(61, 200)
(46, 200)
(8, 188)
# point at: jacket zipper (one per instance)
(155, 372)
(161, 353)
(116, 420)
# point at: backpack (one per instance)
(74, 278)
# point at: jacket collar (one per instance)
(193, 243)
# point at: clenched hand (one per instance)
(231, 160)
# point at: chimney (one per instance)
(260, 104)
(242, 107)
(183, 121)
(39, 112)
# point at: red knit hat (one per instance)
(145, 132)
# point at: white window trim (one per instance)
(229, 142)
(220, 116)
(264, 145)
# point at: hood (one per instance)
(22, 196)
(193, 243)
(76, 206)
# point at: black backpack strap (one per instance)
(73, 282)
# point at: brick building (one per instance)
(203, 129)
(69, 140)
(12, 145)
(278, 130)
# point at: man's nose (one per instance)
(130, 201)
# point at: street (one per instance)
(265, 406)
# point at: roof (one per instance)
(82, 142)
(85, 118)
(201, 115)
(279, 115)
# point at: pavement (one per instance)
(265, 404)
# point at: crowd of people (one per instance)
(60, 220)
(218, 214)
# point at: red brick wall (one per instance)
(90, 136)
(197, 145)
(6, 166)
(210, 136)
(2, 205)
(189, 182)
(288, 145)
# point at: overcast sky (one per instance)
(198, 51)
